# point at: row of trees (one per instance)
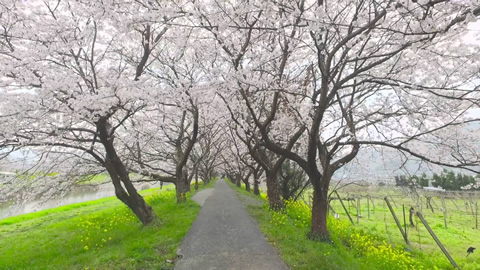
(448, 180)
(170, 90)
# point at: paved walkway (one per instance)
(224, 236)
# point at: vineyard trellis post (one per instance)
(444, 206)
(330, 207)
(440, 245)
(405, 220)
(397, 221)
(476, 215)
(373, 205)
(368, 206)
(394, 203)
(471, 208)
(454, 203)
(429, 204)
(344, 208)
(436, 205)
(358, 210)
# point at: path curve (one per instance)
(225, 236)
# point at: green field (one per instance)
(457, 237)
(375, 243)
(101, 234)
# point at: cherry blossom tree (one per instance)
(74, 75)
(133, 86)
(347, 73)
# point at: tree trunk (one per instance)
(196, 180)
(238, 180)
(140, 208)
(319, 229)
(182, 187)
(256, 189)
(256, 183)
(181, 191)
(246, 181)
(132, 199)
(247, 186)
(126, 193)
(273, 192)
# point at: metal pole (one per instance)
(444, 250)
(396, 221)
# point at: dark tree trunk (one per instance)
(319, 229)
(196, 180)
(182, 187)
(247, 186)
(256, 189)
(256, 183)
(273, 192)
(238, 180)
(118, 173)
(181, 191)
(246, 181)
(410, 218)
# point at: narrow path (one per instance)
(224, 236)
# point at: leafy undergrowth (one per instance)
(101, 234)
(352, 248)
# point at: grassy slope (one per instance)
(288, 235)
(295, 249)
(101, 234)
(457, 238)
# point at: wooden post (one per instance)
(344, 208)
(358, 210)
(444, 212)
(476, 215)
(396, 221)
(373, 205)
(454, 203)
(444, 250)
(368, 206)
(471, 208)
(359, 204)
(394, 203)
(436, 205)
(331, 208)
(429, 204)
(405, 221)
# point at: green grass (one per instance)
(459, 235)
(101, 234)
(352, 247)
(94, 179)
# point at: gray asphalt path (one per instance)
(224, 236)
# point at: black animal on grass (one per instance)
(470, 250)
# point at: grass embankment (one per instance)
(352, 248)
(376, 218)
(100, 234)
